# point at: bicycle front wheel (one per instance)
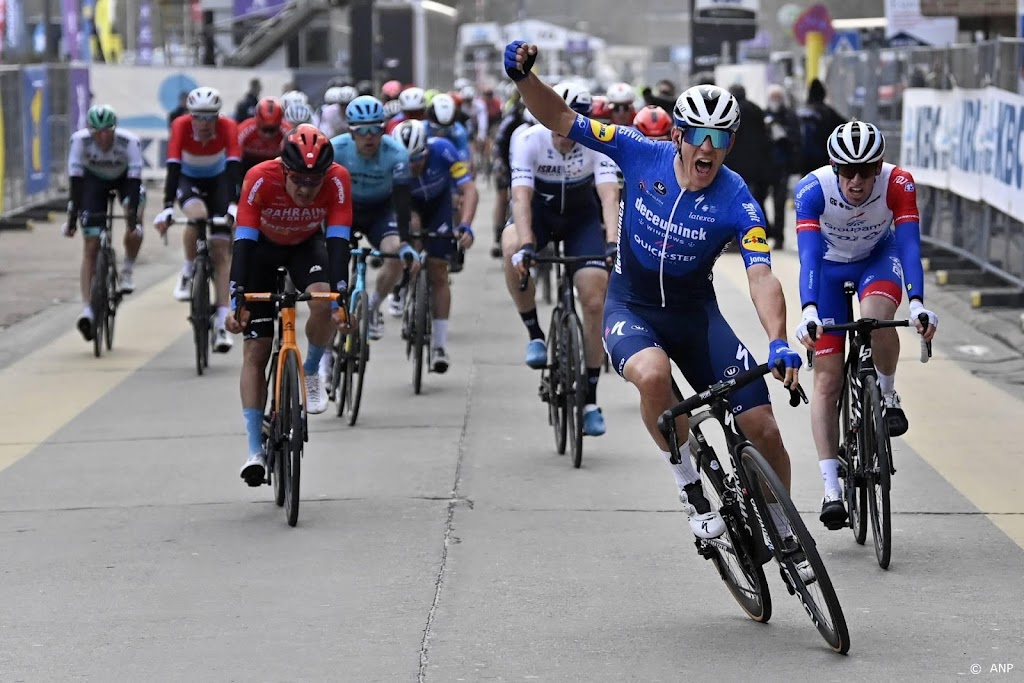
(199, 313)
(790, 548)
(421, 333)
(112, 298)
(555, 388)
(877, 453)
(292, 436)
(98, 302)
(854, 489)
(359, 355)
(575, 382)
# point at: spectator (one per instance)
(784, 132)
(817, 121)
(751, 147)
(179, 110)
(247, 105)
(663, 95)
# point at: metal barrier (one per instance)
(869, 85)
(35, 100)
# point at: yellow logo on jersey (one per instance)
(602, 131)
(459, 169)
(755, 240)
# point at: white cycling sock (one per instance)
(189, 268)
(683, 472)
(439, 333)
(222, 315)
(887, 383)
(127, 265)
(830, 477)
(87, 311)
(374, 301)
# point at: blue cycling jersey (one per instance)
(456, 133)
(669, 238)
(443, 171)
(373, 179)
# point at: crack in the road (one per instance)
(453, 501)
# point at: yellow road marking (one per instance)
(963, 430)
(54, 384)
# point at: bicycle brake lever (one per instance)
(797, 395)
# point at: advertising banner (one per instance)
(36, 115)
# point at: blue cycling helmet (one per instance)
(364, 109)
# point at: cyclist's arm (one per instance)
(606, 176)
(233, 168)
(247, 235)
(765, 289)
(173, 175)
(545, 104)
(134, 181)
(458, 171)
(401, 193)
(76, 174)
(522, 188)
(339, 230)
(810, 205)
(902, 199)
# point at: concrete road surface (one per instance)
(442, 539)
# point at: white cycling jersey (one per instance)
(562, 180)
(124, 156)
(851, 232)
(332, 121)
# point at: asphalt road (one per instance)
(442, 539)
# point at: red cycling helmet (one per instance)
(269, 113)
(307, 150)
(600, 109)
(653, 121)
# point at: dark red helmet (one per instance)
(600, 109)
(269, 113)
(653, 121)
(307, 150)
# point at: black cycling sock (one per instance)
(532, 326)
(397, 291)
(593, 374)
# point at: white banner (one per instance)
(143, 96)
(968, 142)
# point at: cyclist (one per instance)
(654, 122)
(602, 109)
(553, 197)
(437, 171)
(681, 210)
(332, 115)
(513, 120)
(379, 166)
(103, 159)
(297, 113)
(285, 204)
(261, 136)
(620, 104)
(294, 97)
(203, 174)
(857, 220)
(413, 103)
(441, 115)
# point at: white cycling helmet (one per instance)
(413, 136)
(442, 110)
(203, 100)
(333, 96)
(391, 108)
(293, 97)
(576, 96)
(856, 142)
(413, 99)
(467, 92)
(461, 83)
(346, 94)
(707, 106)
(297, 113)
(620, 93)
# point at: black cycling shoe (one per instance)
(833, 513)
(496, 251)
(85, 327)
(897, 422)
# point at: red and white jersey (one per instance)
(266, 206)
(255, 145)
(851, 232)
(203, 159)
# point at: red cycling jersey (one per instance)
(266, 206)
(255, 145)
(200, 159)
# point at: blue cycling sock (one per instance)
(254, 428)
(313, 355)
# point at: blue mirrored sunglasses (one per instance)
(697, 136)
(374, 129)
(205, 117)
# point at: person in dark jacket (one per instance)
(180, 110)
(663, 95)
(247, 105)
(817, 121)
(751, 152)
(784, 132)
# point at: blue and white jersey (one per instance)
(444, 171)
(456, 134)
(374, 178)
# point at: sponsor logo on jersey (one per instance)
(295, 214)
(909, 187)
(755, 240)
(602, 131)
(751, 210)
(550, 169)
(459, 169)
(731, 371)
(660, 188)
(657, 252)
(255, 189)
(659, 222)
(341, 189)
(766, 260)
(702, 217)
(900, 179)
(806, 188)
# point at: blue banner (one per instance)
(36, 115)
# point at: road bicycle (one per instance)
(105, 292)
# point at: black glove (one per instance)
(611, 250)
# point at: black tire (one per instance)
(408, 320)
(817, 596)
(339, 374)
(98, 298)
(199, 313)
(854, 488)
(421, 331)
(293, 435)
(544, 278)
(272, 442)
(113, 296)
(556, 391)
(877, 475)
(360, 355)
(575, 379)
(734, 554)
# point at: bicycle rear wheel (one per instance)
(359, 355)
(98, 297)
(575, 380)
(854, 488)
(877, 475)
(734, 554)
(292, 436)
(556, 390)
(113, 295)
(199, 313)
(816, 594)
(339, 373)
(421, 333)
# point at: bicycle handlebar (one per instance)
(868, 324)
(722, 388)
(524, 281)
(286, 297)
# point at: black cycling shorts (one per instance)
(95, 190)
(306, 263)
(215, 193)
